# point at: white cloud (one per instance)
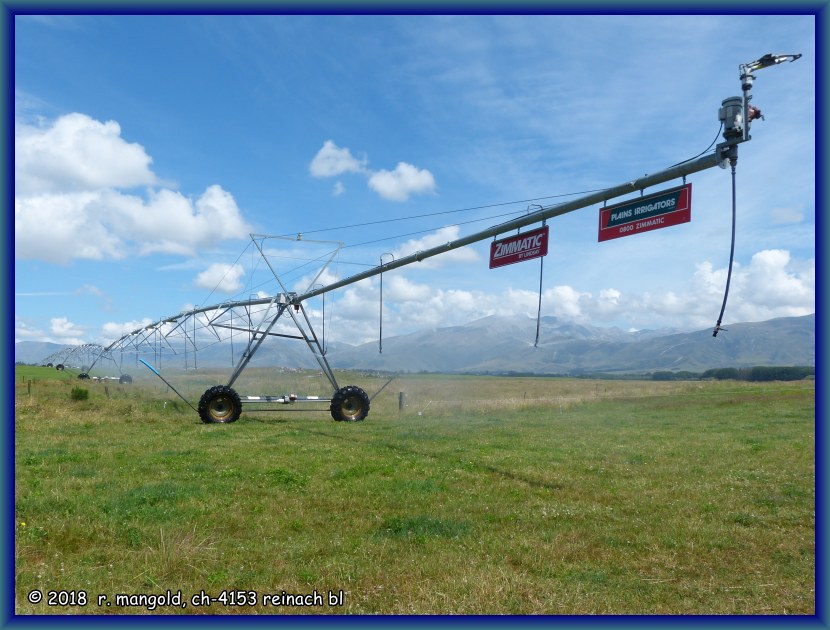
(76, 228)
(440, 237)
(108, 224)
(26, 330)
(397, 288)
(332, 160)
(115, 330)
(221, 277)
(398, 185)
(75, 153)
(172, 223)
(358, 302)
(404, 181)
(771, 285)
(66, 332)
(68, 177)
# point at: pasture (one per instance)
(481, 496)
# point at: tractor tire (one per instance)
(220, 405)
(125, 379)
(349, 404)
(83, 376)
(59, 367)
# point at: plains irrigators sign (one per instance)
(670, 207)
(524, 246)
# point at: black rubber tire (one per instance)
(83, 376)
(220, 405)
(59, 367)
(349, 404)
(125, 379)
(50, 365)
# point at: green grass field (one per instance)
(482, 496)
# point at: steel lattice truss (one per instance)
(241, 326)
(80, 356)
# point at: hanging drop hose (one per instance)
(732, 161)
(539, 309)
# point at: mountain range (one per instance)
(501, 345)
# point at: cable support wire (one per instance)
(434, 229)
(443, 212)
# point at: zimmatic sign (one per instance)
(525, 246)
(670, 207)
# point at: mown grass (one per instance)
(481, 496)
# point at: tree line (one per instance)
(757, 373)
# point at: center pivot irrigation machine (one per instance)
(257, 318)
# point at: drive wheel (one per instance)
(349, 404)
(220, 404)
(125, 379)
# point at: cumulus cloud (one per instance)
(61, 330)
(440, 237)
(26, 330)
(221, 277)
(397, 185)
(404, 181)
(66, 332)
(76, 152)
(77, 228)
(399, 289)
(115, 330)
(70, 175)
(772, 285)
(332, 160)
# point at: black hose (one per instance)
(731, 254)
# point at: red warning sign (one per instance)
(670, 207)
(524, 246)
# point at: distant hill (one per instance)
(500, 345)
(34, 351)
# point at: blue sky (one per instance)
(148, 148)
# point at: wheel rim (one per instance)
(351, 407)
(221, 408)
